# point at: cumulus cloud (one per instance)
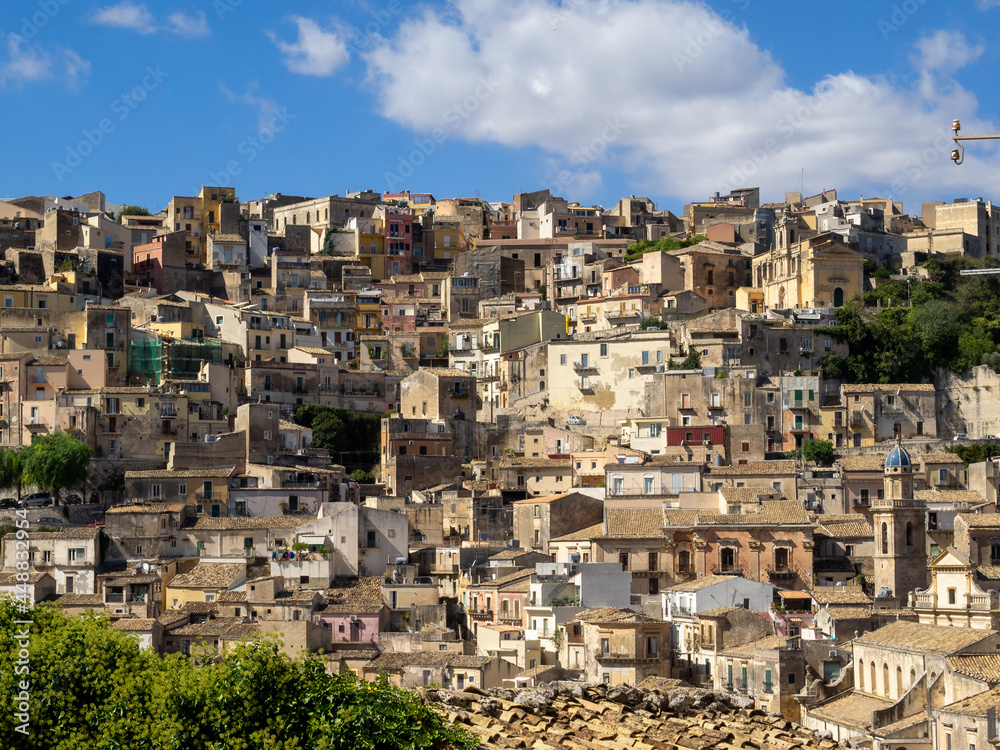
(126, 15)
(946, 51)
(29, 63)
(188, 24)
(316, 52)
(673, 93)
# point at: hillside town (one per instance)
(492, 446)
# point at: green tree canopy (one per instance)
(352, 437)
(664, 245)
(93, 687)
(132, 210)
(817, 451)
(55, 461)
(12, 467)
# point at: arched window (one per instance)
(899, 681)
(885, 678)
(838, 297)
(913, 677)
(885, 538)
(871, 673)
(909, 534)
(861, 675)
(361, 214)
(684, 561)
(307, 217)
(347, 214)
(294, 219)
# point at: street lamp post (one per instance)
(958, 154)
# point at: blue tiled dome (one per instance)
(897, 457)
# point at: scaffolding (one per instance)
(153, 360)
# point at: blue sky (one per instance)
(594, 99)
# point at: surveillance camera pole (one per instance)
(958, 154)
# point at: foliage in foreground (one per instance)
(664, 245)
(352, 437)
(92, 687)
(818, 451)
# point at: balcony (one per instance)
(584, 367)
(587, 315)
(726, 570)
(584, 386)
(857, 419)
(481, 616)
(458, 392)
(797, 404)
(623, 657)
(622, 314)
(892, 408)
(113, 598)
(168, 431)
(768, 687)
(208, 497)
(296, 485)
(781, 574)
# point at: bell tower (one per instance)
(900, 542)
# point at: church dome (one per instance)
(897, 457)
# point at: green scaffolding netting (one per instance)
(153, 360)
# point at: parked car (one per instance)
(35, 500)
(51, 521)
(8, 502)
(960, 437)
(573, 419)
(72, 500)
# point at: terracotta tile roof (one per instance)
(613, 615)
(219, 627)
(222, 471)
(147, 508)
(209, 575)
(402, 659)
(985, 667)
(205, 523)
(833, 595)
(747, 494)
(698, 584)
(86, 533)
(133, 624)
(989, 572)
(940, 458)
(718, 611)
(355, 596)
(505, 581)
(862, 463)
(981, 520)
(848, 613)
(171, 616)
(80, 600)
(977, 705)
(754, 468)
(781, 512)
(583, 535)
(543, 500)
(932, 639)
(769, 643)
(10, 578)
(853, 709)
(229, 597)
(855, 527)
(891, 730)
(228, 238)
(536, 463)
(885, 387)
(633, 522)
(949, 496)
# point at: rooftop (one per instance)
(931, 639)
(209, 575)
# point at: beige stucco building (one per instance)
(819, 272)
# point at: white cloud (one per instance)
(188, 24)
(987, 4)
(946, 51)
(316, 52)
(267, 108)
(672, 93)
(29, 63)
(126, 15)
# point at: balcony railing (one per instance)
(295, 485)
(111, 598)
(783, 573)
(583, 366)
(206, 497)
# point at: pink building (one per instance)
(399, 244)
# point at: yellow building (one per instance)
(371, 249)
(203, 583)
(198, 216)
(822, 271)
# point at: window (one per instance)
(562, 359)
(745, 446)
(885, 539)
(182, 489)
(155, 490)
(623, 560)
(952, 596)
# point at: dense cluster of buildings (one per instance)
(554, 495)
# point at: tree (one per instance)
(12, 467)
(94, 687)
(664, 245)
(818, 451)
(692, 361)
(56, 460)
(132, 210)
